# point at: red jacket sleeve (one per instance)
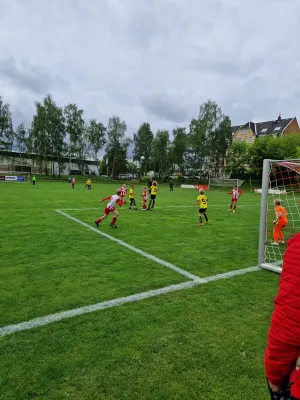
(284, 334)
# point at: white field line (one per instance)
(141, 252)
(49, 319)
(191, 207)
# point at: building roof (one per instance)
(273, 128)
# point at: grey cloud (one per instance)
(156, 60)
(168, 107)
(27, 76)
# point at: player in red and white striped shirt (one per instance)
(235, 193)
(110, 207)
(144, 198)
(123, 193)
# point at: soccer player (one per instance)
(73, 182)
(88, 184)
(124, 192)
(171, 184)
(235, 195)
(144, 199)
(280, 222)
(33, 180)
(131, 197)
(202, 201)
(110, 207)
(153, 192)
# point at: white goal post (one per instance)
(280, 180)
(224, 183)
(19, 177)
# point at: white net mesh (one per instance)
(220, 183)
(284, 184)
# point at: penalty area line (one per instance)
(49, 319)
(130, 247)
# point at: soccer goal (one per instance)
(224, 183)
(20, 177)
(281, 180)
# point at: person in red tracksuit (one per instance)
(282, 356)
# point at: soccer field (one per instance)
(156, 309)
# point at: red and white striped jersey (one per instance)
(145, 195)
(235, 194)
(113, 200)
(123, 191)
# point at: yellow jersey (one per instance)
(88, 182)
(153, 190)
(131, 193)
(202, 200)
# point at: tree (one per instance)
(6, 127)
(237, 159)
(78, 135)
(216, 128)
(143, 145)
(48, 131)
(221, 139)
(161, 157)
(196, 148)
(179, 148)
(96, 135)
(264, 147)
(21, 137)
(116, 146)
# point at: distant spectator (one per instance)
(33, 180)
(73, 183)
(171, 184)
(69, 179)
(282, 357)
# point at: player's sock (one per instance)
(113, 220)
(153, 203)
(205, 216)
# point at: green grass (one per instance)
(202, 343)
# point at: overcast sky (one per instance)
(152, 60)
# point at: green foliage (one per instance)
(161, 159)
(96, 135)
(178, 148)
(237, 159)
(143, 146)
(6, 128)
(116, 146)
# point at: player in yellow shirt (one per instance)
(88, 184)
(153, 193)
(131, 197)
(202, 201)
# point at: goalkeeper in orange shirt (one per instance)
(280, 222)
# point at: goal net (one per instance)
(224, 183)
(281, 181)
(20, 177)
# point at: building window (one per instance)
(277, 128)
(264, 130)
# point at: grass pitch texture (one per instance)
(206, 342)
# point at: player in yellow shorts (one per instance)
(202, 201)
